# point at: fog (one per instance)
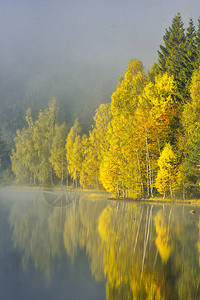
(75, 51)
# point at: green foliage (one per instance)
(43, 133)
(7, 177)
(5, 152)
(20, 157)
(74, 152)
(179, 56)
(172, 54)
(197, 40)
(58, 151)
(30, 159)
(191, 53)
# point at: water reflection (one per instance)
(140, 251)
(38, 233)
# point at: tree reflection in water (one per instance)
(140, 251)
(38, 233)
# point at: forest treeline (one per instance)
(144, 143)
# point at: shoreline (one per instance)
(94, 193)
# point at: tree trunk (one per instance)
(51, 176)
(139, 169)
(31, 178)
(97, 183)
(148, 167)
(67, 179)
(183, 193)
(164, 194)
(62, 175)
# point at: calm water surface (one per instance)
(92, 248)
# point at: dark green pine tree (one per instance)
(172, 54)
(197, 40)
(164, 53)
(190, 57)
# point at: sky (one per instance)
(80, 47)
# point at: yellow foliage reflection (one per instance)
(119, 228)
(164, 241)
(122, 241)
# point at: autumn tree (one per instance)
(191, 130)
(110, 171)
(95, 147)
(19, 158)
(74, 152)
(30, 159)
(24, 158)
(58, 152)
(154, 124)
(121, 165)
(125, 99)
(44, 130)
(166, 179)
(143, 120)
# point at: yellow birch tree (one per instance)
(166, 179)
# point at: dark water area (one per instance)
(83, 247)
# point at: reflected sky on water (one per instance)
(93, 248)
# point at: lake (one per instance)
(78, 246)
